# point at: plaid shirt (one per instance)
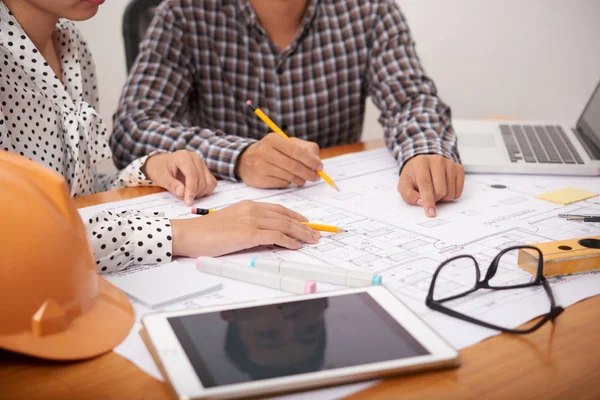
(202, 59)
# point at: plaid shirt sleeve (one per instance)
(154, 110)
(414, 119)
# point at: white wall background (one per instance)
(527, 59)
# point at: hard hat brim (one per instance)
(95, 332)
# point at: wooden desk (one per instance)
(557, 362)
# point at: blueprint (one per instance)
(387, 236)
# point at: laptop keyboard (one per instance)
(539, 144)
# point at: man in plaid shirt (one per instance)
(309, 65)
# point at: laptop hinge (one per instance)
(590, 147)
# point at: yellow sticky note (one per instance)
(567, 195)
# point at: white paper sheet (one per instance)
(157, 286)
(389, 237)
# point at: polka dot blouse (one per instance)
(55, 123)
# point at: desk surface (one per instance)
(559, 361)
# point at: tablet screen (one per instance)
(277, 340)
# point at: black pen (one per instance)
(584, 219)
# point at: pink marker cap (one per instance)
(310, 287)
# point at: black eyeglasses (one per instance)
(444, 283)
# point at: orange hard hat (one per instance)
(53, 304)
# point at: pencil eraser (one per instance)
(194, 210)
(376, 280)
(310, 287)
(249, 102)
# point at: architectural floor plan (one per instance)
(387, 236)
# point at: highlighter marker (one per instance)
(228, 269)
(319, 273)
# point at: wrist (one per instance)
(147, 167)
(179, 237)
(240, 166)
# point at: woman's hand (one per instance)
(241, 226)
(182, 173)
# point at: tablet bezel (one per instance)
(181, 375)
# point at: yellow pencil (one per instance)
(325, 228)
(263, 117)
(318, 227)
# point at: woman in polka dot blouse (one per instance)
(48, 113)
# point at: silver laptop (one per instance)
(533, 147)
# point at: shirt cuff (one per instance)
(132, 175)
(127, 238)
(409, 149)
(223, 155)
(152, 241)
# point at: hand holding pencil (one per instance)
(277, 161)
(241, 226)
(315, 226)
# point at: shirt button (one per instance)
(279, 70)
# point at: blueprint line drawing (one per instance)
(388, 237)
(433, 223)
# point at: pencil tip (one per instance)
(333, 185)
(340, 230)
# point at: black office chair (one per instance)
(136, 20)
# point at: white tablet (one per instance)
(294, 343)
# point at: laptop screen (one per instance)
(589, 123)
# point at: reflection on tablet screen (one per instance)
(277, 340)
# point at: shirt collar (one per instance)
(249, 16)
(6, 18)
(247, 13)
(49, 85)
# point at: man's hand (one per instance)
(182, 173)
(427, 179)
(275, 162)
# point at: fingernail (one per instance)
(420, 202)
(316, 235)
(189, 200)
(320, 167)
(431, 212)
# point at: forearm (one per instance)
(156, 110)
(415, 120)
(139, 134)
(422, 126)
